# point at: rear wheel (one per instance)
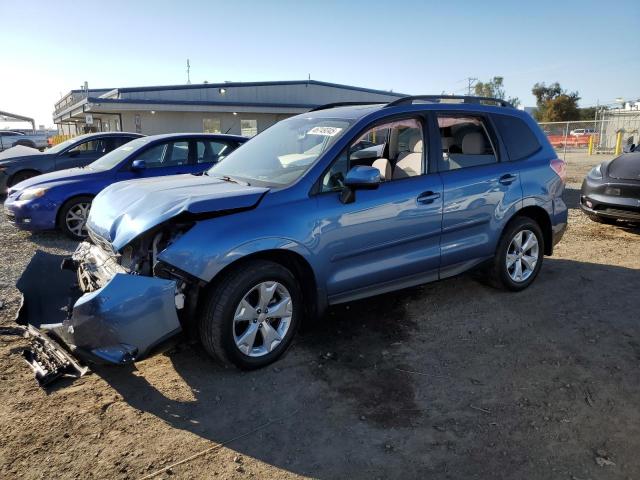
(21, 177)
(519, 255)
(73, 217)
(250, 317)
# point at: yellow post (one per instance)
(590, 144)
(618, 143)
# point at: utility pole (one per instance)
(471, 82)
(188, 73)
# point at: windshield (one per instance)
(281, 154)
(67, 143)
(113, 158)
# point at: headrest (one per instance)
(473, 144)
(384, 166)
(415, 143)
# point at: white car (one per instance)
(9, 138)
(581, 132)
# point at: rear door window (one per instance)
(517, 137)
(465, 141)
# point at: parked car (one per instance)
(9, 138)
(296, 220)
(62, 199)
(20, 163)
(611, 190)
(581, 132)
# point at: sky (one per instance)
(414, 47)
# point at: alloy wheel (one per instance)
(262, 319)
(522, 255)
(76, 218)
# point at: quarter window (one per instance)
(395, 148)
(517, 137)
(465, 142)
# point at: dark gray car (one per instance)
(20, 163)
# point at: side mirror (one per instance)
(138, 165)
(629, 148)
(359, 178)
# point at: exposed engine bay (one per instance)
(96, 263)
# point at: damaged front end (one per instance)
(102, 306)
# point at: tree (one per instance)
(554, 104)
(495, 88)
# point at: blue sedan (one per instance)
(62, 199)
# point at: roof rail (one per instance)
(343, 104)
(440, 98)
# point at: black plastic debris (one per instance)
(46, 294)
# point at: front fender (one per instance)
(205, 262)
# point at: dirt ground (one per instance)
(449, 380)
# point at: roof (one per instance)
(196, 102)
(257, 84)
(355, 112)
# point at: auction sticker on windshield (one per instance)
(324, 131)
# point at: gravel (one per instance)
(449, 380)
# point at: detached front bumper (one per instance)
(117, 324)
(122, 321)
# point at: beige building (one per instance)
(241, 108)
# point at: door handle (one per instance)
(508, 179)
(428, 197)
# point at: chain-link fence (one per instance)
(607, 134)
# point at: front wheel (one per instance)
(73, 217)
(21, 177)
(519, 255)
(250, 317)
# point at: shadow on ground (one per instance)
(453, 379)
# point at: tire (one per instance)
(21, 177)
(500, 274)
(78, 206)
(220, 333)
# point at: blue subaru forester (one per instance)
(333, 205)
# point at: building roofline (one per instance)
(256, 84)
(195, 102)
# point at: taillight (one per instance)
(560, 168)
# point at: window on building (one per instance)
(248, 128)
(465, 142)
(211, 125)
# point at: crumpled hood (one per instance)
(124, 210)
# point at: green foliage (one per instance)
(588, 113)
(495, 88)
(555, 104)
